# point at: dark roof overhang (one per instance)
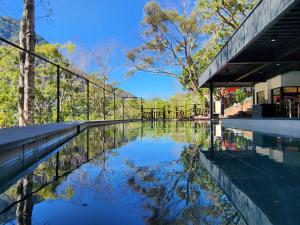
(265, 45)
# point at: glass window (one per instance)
(276, 95)
(298, 89)
(261, 97)
(290, 90)
(276, 91)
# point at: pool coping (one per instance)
(18, 136)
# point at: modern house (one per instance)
(283, 91)
(264, 53)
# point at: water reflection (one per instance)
(186, 196)
(259, 172)
(135, 173)
(153, 173)
(24, 200)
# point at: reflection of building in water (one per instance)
(262, 182)
(274, 154)
(280, 149)
(232, 139)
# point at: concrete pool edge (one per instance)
(284, 127)
(19, 136)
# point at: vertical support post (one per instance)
(253, 95)
(176, 112)
(104, 116)
(58, 94)
(142, 109)
(164, 113)
(211, 100)
(114, 106)
(88, 99)
(123, 108)
(282, 104)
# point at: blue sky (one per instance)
(87, 23)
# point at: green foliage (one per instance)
(182, 44)
(219, 20)
(8, 86)
(73, 92)
(170, 40)
(240, 95)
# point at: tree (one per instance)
(219, 20)
(170, 41)
(240, 97)
(103, 57)
(26, 64)
(226, 13)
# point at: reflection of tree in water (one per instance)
(176, 195)
(179, 131)
(25, 206)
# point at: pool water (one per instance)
(159, 173)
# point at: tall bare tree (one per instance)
(26, 64)
(103, 57)
(170, 39)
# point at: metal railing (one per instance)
(288, 108)
(60, 93)
(175, 112)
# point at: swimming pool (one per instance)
(159, 173)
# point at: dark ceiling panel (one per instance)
(275, 51)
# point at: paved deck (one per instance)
(276, 126)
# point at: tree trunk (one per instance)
(25, 204)
(27, 64)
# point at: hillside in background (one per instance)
(10, 28)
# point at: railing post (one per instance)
(58, 94)
(211, 100)
(104, 116)
(114, 106)
(88, 99)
